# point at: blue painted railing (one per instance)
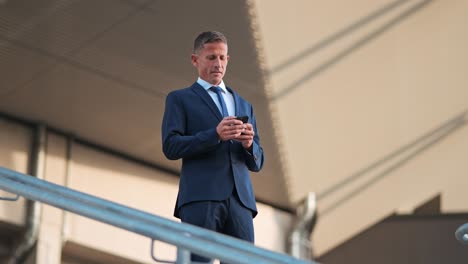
(186, 238)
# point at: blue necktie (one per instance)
(217, 90)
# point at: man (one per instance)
(217, 150)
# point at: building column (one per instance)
(51, 235)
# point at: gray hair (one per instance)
(208, 37)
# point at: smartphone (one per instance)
(244, 119)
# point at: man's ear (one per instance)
(194, 60)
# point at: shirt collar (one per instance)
(206, 85)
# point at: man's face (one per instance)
(211, 62)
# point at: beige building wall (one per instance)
(354, 82)
(15, 146)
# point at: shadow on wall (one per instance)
(427, 239)
(392, 161)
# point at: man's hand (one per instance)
(246, 137)
(230, 128)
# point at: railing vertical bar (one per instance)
(11, 199)
(183, 256)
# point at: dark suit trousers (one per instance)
(228, 217)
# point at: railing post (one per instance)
(183, 256)
(299, 244)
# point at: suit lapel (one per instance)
(206, 98)
(236, 100)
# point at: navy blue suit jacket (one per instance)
(211, 168)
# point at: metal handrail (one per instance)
(186, 237)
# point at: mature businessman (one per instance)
(217, 150)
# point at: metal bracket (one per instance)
(10, 198)
(462, 234)
(155, 258)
